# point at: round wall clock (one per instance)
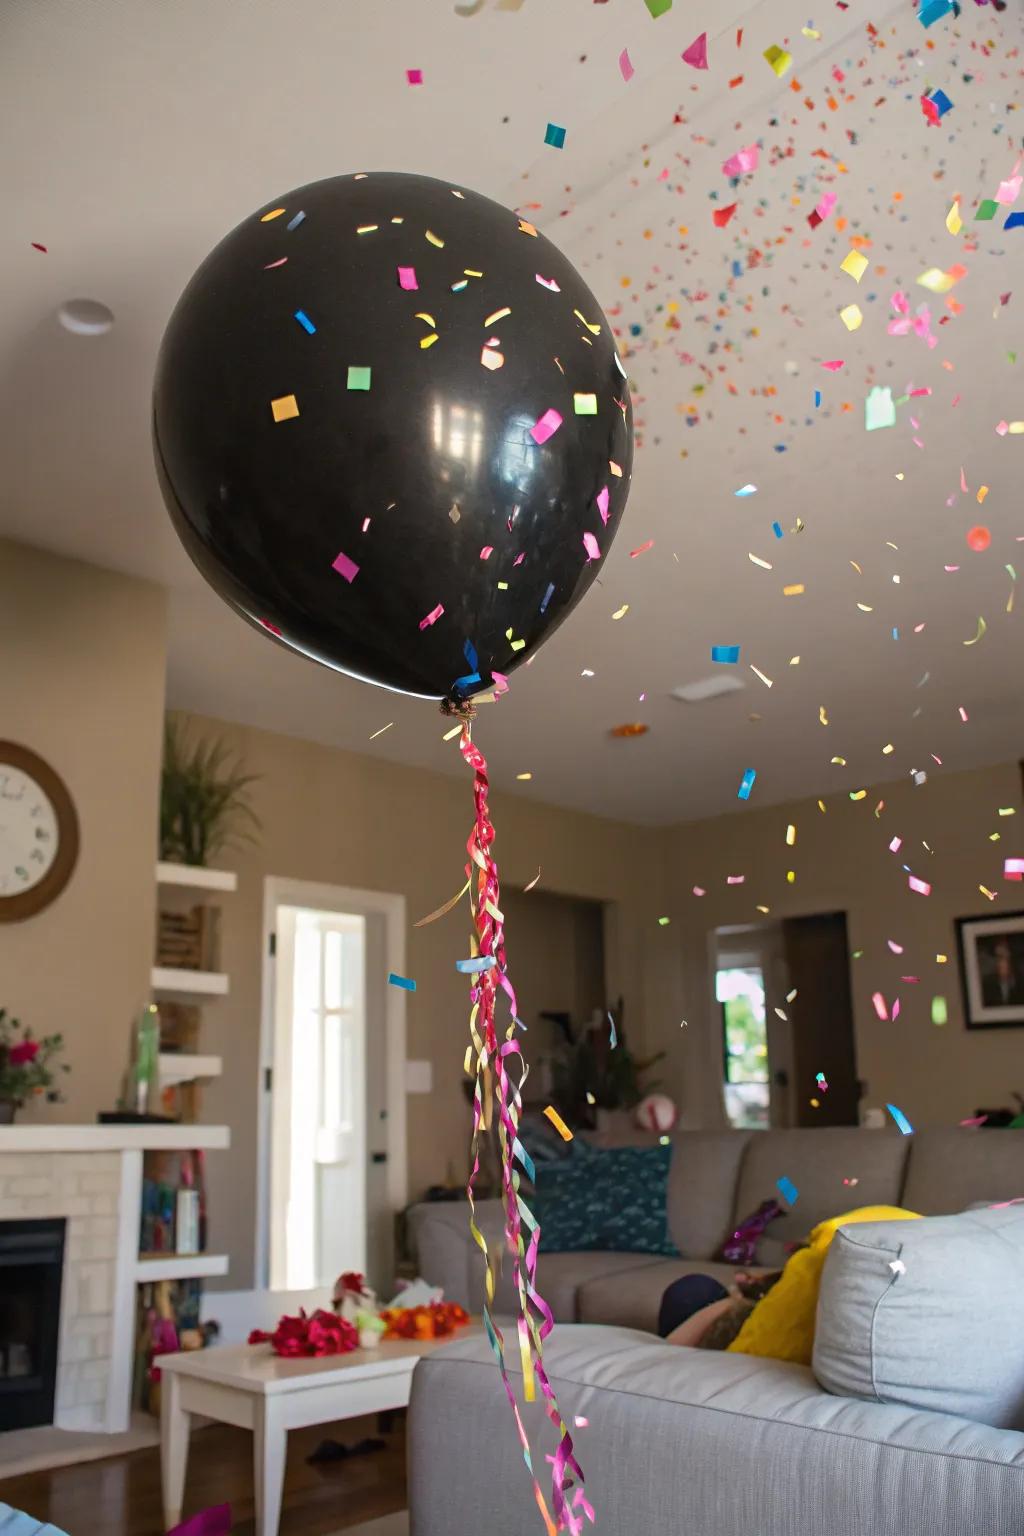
(38, 833)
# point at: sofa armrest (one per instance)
(446, 1254)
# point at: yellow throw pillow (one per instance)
(781, 1326)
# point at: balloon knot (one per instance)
(459, 709)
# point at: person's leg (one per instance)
(684, 1297)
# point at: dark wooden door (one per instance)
(821, 1014)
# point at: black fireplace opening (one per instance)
(31, 1269)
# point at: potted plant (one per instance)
(590, 1074)
(204, 798)
(26, 1069)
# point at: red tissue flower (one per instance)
(22, 1052)
(322, 1334)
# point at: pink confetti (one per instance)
(880, 1006)
(487, 552)
(546, 426)
(1013, 869)
(920, 886)
(895, 1010)
(278, 263)
(826, 205)
(432, 617)
(414, 76)
(1009, 190)
(835, 365)
(699, 890)
(591, 546)
(407, 279)
(642, 550)
(897, 949)
(980, 1120)
(272, 627)
(548, 282)
(963, 714)
(742, 162)
(697, 53)
(602, 504)
(625, 65)
(37, 247)
(896, 845)
(345, 567)
(735, 879)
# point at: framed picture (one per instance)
(992, 970)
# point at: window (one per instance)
(740, 991)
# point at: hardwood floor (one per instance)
(121, 1496)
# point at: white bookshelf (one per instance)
(194, 877)
(185, 1067)
(188, 986)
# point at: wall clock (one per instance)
(38, 833)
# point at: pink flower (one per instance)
(22, 1052)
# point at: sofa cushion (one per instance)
(682, 1440)
(702, 1189)
(928, 1313)
(951, 1169)
(612, 1199)
(817, 1161)
(632, 1301)
(561, 1278)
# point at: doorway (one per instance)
(782, 990)
(332, 1094)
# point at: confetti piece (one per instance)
(305, 322)
(405, 982)
(1014, 221)
(746, 784)
(432, 617)
(978, 538)
(1013, 869)
(414, 76)
(796, 590)
(930, 11)
(778, 59)
(359, 378)
(294, 223)
(367, 229)
(658, 7)
(642, 549)
(526, 228)
(552, 1113)
(435, 240)
(898, 1267)
(499, 314)
(879, 410)
(45, 249)
(602, 503)
(777, 530)
(835, 365)
(788, 1190)
(407, 279)
(593, 328)
(851, 317)
(278, 263)
(987, 209)
(742, 163)
(546, 426)
(625, 65)
(663, 922)
(697, 53)
(275, 213)
(549, 283)
(936, 281)
(954, 223)
(584, 405)
(854, 264)
(880, 1006)
(920, 886)
(591, 546)
(613, 1038)
(757, 673)
(524, 777)
(935, 106)
(285, 407)
(491, 358)
(765, 565)
(901, 1120)
(746, 490)
(721, 216)
(620, 613)
(345, 567)
(533, 882)
(475, 964)
(729, 654)
(982, 627)
(554, 136)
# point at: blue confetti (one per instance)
(467, 681)
(613, 1038)
(1014, 220)
(746, 490)
(906, 1129)
(817, 398)
(296, 221)
(895, 633)
(788, 1190)
(941, 102)
(746, 784)
(547, 596)
(737, 269)
(929, 11)
(405, 982)
(726, 653)
(476, 965)
(469, 651)
(777, 530)
(305, 321)
(554, 136)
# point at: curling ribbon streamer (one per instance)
(493, 1060)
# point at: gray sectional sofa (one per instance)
(691, 1443)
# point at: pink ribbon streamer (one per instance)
(534, 1322)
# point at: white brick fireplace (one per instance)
(92, 1176)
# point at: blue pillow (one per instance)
(612, 1199)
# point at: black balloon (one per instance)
(345, 468)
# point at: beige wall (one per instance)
(936, 1074)
(82, 657)
(339, 818)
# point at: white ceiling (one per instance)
(138, 133)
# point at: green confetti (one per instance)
(879, 410)
(585, 405)
(940, 1013)
(359, 378)
(663, 922)
(987, 209)
(658, 7)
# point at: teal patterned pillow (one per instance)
(613, 1199)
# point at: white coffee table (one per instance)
(248, 1385)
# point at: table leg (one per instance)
(269, 1448)
(175, 1422)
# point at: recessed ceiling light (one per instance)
(85, 317)
(708, 688)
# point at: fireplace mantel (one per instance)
(113, 1138)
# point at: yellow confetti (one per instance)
(366, 229)
(935, 280)
(954, 223)
(434, 240)
(533, 882)
(857, 794)
(791, 876)
(558, 1123)
(822, 715)
(779, 59)
(758, 673)
(851, 317)
(811, 32)
(422, 315)
(595, 330)
(986, 892)
(887, 749)
(428, 341)
(527, 228)
(865, 608)
(821, 807)
(765, 565)
(621, 612)
(275, 213)
(499, 314)
(441, 911)
(382, 730)
(453, 732)
(1007, 810)
(794, 661)
(982, 492)
(616, 469)
(982, 627)
(854, 265)
(840, 760)
(794, 591)
(857, 568)
(523, 777)
(284, 407)
(790, 835)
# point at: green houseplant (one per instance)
(590, 1073)
(27, 1066)
(204, 797)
